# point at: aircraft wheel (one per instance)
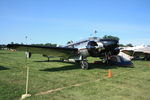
(84, 64)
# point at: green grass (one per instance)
(126, 84)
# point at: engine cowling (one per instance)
(116, 51)
(91, 47)
(97, 49)
(109, 44)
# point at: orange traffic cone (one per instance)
(109, 73)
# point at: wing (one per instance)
(128, 52)
(51, 51)
(144, 50)
(138, 52)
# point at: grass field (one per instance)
(67, 81)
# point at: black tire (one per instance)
(84, 65)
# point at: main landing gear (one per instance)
(107, 56)
(84, 64)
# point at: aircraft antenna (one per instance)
(94, 33)
(26, 38)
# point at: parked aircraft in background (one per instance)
(138, 52)
(79, 51)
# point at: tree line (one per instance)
(40, 44)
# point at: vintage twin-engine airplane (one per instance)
(79, 51)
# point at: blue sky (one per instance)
(58, 21)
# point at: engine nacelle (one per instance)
(92, 49)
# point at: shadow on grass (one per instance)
(49, 61)
(101, 66)
(5, 53)
(77, 66)
(3, 68)
(64, 68)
